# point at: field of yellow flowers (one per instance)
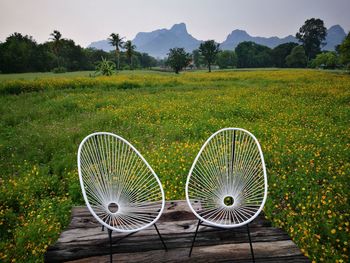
(300, 117)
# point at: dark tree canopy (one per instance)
(146, 61)
(209, 49)
(280, 53)
(16, 53)
(297, 58)
(93, 56)
(71, 56)
(20, 53)
(311, 35)
(344, 51)
(178, 59)
(226, 59)
(252, 55)
(197, 58)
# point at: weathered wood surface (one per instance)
(83, 241)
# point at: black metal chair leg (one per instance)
(194, 238)
(250, 243)
(103, 228)
(161, 239)
(110, 245)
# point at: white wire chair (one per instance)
(227, 181)
(120, 188)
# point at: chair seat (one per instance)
(120, 188)
(228, 178)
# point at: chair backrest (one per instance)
(120, 188)
(227, 184)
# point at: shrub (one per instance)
(105, 67)
(325, 60)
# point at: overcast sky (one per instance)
(85, 21)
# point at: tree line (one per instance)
(248, 54)
(21, 53)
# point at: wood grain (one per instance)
(84, 241)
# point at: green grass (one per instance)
(32, 76)
(300, 117)
(75, 74)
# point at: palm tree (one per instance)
(56, 36)
(116, 41)
(130, 48)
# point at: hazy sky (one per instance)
(85, 21)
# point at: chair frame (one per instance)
(110, 228)
(203, 221)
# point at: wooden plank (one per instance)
(98, 244)
(84, 239)
(264, 252)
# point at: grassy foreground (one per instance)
(300, 117)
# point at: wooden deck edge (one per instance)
(83, 241)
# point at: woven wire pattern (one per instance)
(119, 187)
(228, 179)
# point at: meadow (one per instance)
(300, 117)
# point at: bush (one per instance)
(327, 60)
(105, 67)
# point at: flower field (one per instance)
(300, 117)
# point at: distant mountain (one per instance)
(145, 37)
(237, 36)
(101, 44)
(335, 35)
(158, 42)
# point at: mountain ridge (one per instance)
(158, 42)
(162, 41)
(237, 36)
